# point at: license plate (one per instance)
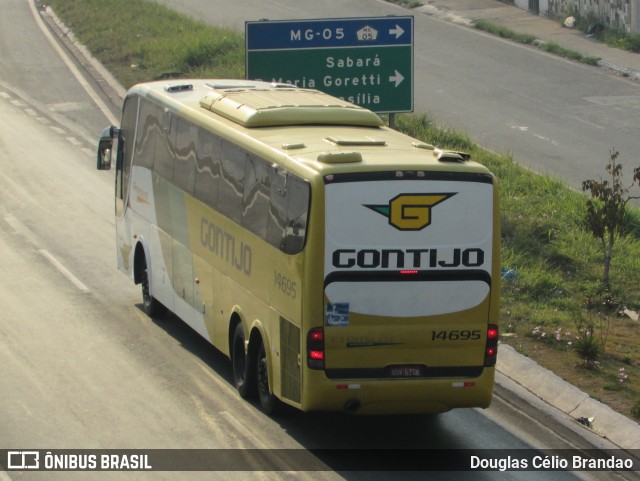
(405, 371)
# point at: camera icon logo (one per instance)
(23, 460)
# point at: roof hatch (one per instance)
(277, 106)
(340, 157)
(450, 155)
(362, 141)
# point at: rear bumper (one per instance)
(402, 396)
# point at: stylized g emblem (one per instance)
(410, 211)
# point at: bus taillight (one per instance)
(315, 348)
(491, 349)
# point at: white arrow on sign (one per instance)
(398, 31)
(397, 78)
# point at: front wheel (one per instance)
(268, 401)
(152, 307)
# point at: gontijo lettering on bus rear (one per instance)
(408, 258)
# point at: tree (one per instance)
(606, 209)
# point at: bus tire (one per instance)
(152, 307)
(243, 377)
(268, 401)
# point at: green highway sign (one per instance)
(366, 61)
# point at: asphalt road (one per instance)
(82, 366)
(554, 116)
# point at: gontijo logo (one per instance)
(410, 211)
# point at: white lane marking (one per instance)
(63, 270)
(587, 122)
(58, 130)
(19, 228)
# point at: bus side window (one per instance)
(288, 214)
(208, 155)
(277, 208)
(120, 147)
(257, 186)
(184, 170)
(149, 128)
(125, 154)
(165, 147)
(231, 181)
(297, 211)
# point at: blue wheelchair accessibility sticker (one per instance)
(337, 314)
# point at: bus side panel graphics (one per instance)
(172, 264)
(146, 197)
(241, 263)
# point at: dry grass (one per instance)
(602, 381)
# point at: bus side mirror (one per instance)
(105, 147)
(292, 244)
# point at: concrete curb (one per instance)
(448, 15)
(624, 71)
(98, 72)
(564, 396)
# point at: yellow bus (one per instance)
(340, 264)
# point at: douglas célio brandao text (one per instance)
(551, 463)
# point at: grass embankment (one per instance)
(552, 285)
(143, 40)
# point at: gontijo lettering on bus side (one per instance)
(224, 245)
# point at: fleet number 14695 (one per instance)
(284, 284)
(455, 335)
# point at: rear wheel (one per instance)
(152, 307)
(268, 401)
(243, 377)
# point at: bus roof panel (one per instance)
(311, 128)
(282, 105)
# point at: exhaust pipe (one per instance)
(352, 405)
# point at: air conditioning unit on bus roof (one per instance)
(269, 107)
